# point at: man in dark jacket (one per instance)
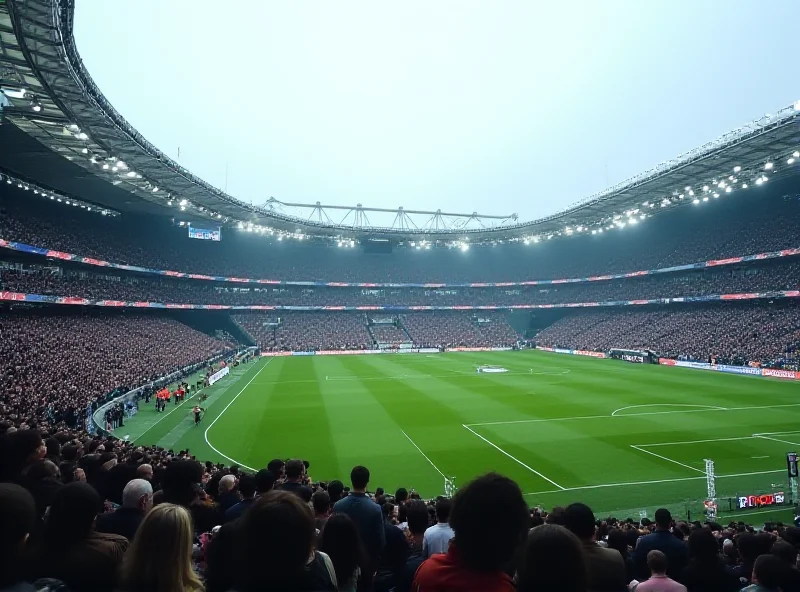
(661, 540)
(368, 518)
(605, 567)
(137, 499)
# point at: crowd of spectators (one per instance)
(719, 229)
(768, 335)
(53, 367)
(307, 331)
(98, 514)
(69, 282)
(388, 333)
(455, 329)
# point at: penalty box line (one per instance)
(514, 458)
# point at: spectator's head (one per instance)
(180, 481)
(160, 556)
(277, 467)
(145, 472)
(443, 507)
(72, 514)
(657, 563)
(785, 551)
(247, 485)
(359, 477)
(20, 449)
(769, 572)
(321, 502)
(294, 470)
(703, 547)
(748, 546)
(341, 541)
(401, 495)
(265, 480)
(490, 519)
(138, 494)
(18, 519)
(579, 519)
(53, 447)
(557, 516)
(227, 483)
(663, 519)
(277, 561)
(553, 560)
(417, 517)
(618, 539)
(335, 490)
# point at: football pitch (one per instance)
(619, 437)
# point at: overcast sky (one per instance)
(491, 106)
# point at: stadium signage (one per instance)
(636, 359)
(779, 373)
(756, 501)
(737, 369)
(218, 375)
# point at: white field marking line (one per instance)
(777, 433)
(492, 444)
(614, 413)
(578, 417)
(757, 457)
(205, 434)
(778, 440)
(423, 376)
(696, 441)
(776, 509)
(667, 459)
(423, 454)
(654, 482)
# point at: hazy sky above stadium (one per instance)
(491, 106)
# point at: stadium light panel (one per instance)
(464, 247)
(82, 136)
(759, 181)
(716, 195)
(114, 169)
(768, 166)
(744, 185)
(797, 106)
(633, 221)
(705, 198)
(705, 187)
(790, 161)
(687, 188)
(728, 190)
(85, 151)
(737, 168)
(600, 231)
(105, 166)
(796, 153)
(183, 202)
(183, 208)
(691, 192)
(352, 243)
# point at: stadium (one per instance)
(637, 351)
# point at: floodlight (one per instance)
(105, 166)
(705, 199)
(183, 202)
(796, 154)
(82, 136)
(797, 106)
(728, 190)
(744, 185)
(737, 168)
(790, 161)
(464, 247)
(759, 181)
(768, 166)
(352, 243)
(705, 187)
(85, 151)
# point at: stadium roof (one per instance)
(54, 100)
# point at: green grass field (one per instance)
(619, 437)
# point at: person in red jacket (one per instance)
(490, 519)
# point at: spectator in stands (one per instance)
(43, 480)
(278, 467)
(17, 522)
(160, 558)
(490, 519)
(395, 553)
(247, 490)
(662, 540)
(437, 537)
(137, 500)
(706, 571)
(658, 581)
(335, 490)
(768, 573)
(553, 559)
(265, 481)
(21, 449)
(284, 559)
(181, 486)
(418, 523)
(145, 472)
(368, 518)
(70, 549)
(321, 502)
(787, 553)
(620, 540)
(228, 496)
(295, 473)
(341, 542)
(606, 567)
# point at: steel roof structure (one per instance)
(54, 100)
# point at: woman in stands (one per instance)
(342, 543)
(160, 558)
(275, 548)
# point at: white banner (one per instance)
(218, 375)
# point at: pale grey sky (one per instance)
(494, 106)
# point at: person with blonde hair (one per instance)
(160, 557)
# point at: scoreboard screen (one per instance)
(214, 234)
